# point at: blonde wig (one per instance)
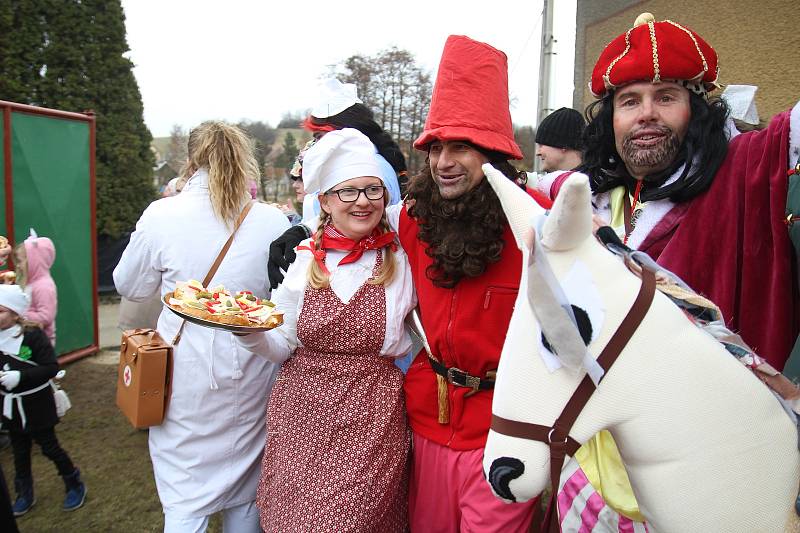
(227, 153)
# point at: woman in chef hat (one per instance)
(336, 455)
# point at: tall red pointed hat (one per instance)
(470, 98)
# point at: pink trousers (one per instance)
(448, 494)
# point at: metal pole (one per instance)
(546, 62)
(545, 66)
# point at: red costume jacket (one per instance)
(466, 327)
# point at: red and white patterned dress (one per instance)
(337, 452)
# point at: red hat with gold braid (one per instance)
(656, 51)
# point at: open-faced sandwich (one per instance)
(217, 304)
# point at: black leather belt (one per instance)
(459, 378)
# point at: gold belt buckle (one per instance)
(470, 381)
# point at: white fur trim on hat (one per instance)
(12, 297)
(334, 97)
(339, 156)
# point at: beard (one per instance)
(652, 158)
(464, 235)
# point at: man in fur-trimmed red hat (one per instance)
(667, 177)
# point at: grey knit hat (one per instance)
(562, 128)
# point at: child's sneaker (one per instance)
(76, 491)
(25, 499)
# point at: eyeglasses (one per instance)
(351, 194)
(295, 178)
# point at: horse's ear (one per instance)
(570, 219)
(518, 206)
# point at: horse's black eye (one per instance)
(584, 327)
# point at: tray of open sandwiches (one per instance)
(218, 308)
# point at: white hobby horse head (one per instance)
(706, 445)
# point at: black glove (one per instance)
(281, 252)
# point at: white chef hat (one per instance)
(334, 97)
(339, 156)
(12, 297)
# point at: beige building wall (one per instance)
(758, 43)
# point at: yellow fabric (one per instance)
(600, 461)
(599, 458)
(617, 202)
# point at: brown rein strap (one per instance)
(557, 436)
(523, 430)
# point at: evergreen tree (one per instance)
(285, 161)
(22, 40)
(263, 136)
(68, 54)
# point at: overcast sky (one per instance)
(239, 59)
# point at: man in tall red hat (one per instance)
(466, 270)
(666, 175)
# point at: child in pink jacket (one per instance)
(33, 260)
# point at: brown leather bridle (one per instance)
(557, 436)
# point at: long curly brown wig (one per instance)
(463, 235)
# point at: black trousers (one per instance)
(7, 521)
(46, 439)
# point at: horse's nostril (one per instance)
(502, 471)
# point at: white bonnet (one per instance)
(13, 297)
(334, 97)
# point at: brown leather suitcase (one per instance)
(144, 377)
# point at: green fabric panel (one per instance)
(50, 158)
(793, 208)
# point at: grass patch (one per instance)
(112, 456)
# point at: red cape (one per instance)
(732, 245)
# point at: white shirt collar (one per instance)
(199, 180)
(11, 339)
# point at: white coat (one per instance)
(206, 455)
